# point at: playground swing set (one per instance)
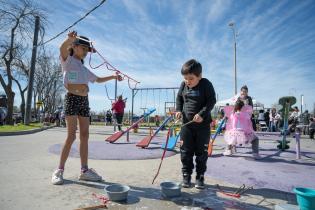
(169, 111)
(144, 143)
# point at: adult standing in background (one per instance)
(267, 118)
(245, 97)
(247, 100)
(118, 110)
(306, 121)
(108, 117)
(272, 120)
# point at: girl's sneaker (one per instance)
(57, 177)
(90, 175)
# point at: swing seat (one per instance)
(115, 136)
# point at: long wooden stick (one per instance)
(164, 151)
(212, 139)
(188, 123)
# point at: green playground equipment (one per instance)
(286, 103)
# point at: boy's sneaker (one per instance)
(200, 179)
(227, 152)
(186, 181)
(90, 175)
(256, 156)
(57, 177)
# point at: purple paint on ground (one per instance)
(276, 170)
(121, 150)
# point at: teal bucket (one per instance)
(305, 198)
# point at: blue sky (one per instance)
(150, 40)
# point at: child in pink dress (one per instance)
(239, 129)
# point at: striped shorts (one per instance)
(76, 105)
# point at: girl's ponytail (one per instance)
(71, 51)
(238, 105)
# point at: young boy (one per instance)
(194, 102)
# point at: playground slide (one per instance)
(118, 134)
(146, 140)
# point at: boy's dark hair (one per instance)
(244, 87)
(192, 67)
(238, 105)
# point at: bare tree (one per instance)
(21, 67)
(17, 20)
(48, 81)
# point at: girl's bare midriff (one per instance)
(78, 89)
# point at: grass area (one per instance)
(19, 127)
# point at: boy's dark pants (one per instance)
(195, 140)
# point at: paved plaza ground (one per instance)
(27, 162)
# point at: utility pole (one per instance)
(27, 117)
(302, 103)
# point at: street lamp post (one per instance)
(232, 25)
(302, 102)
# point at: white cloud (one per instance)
(217, 10)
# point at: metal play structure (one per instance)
(156, 97)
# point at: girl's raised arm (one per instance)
(64, 46)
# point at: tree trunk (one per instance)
(22, 92)
(22, 107)
(10, 103)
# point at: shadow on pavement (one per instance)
(205, 199)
